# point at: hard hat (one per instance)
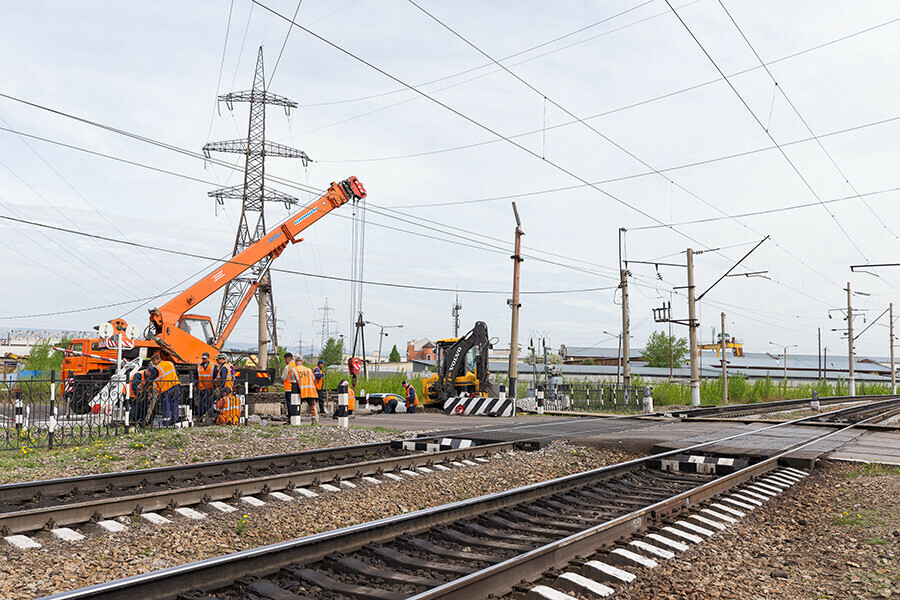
(204, 355)
(321, 362)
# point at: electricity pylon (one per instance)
(253, 194)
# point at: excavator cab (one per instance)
(462, 367)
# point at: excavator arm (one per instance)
(165, 320)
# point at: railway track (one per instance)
(584, 534)
(740, 410)
(57, 504)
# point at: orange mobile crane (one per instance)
(183, 337)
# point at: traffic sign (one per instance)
(112, 343)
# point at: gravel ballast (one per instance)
(60, 566)
(835, 535)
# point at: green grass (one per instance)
(862, 518)
(873, 470)
(743, 391)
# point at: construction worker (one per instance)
(228, 403)
(389, 406)
(286, 380)
(412, 400)
(204, 375)
(164, 378)
(302, 382)
(319, 381)
(138, 397)
(351, 399)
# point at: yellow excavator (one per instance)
(462, 367)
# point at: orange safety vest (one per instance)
(411, 393)
(302, 378)
(287, 379)
(167, 378)
(204, 376)
(318, 382)
(229, 403)
(351, 398)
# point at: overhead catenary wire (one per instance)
(289, 271)
(780, 90)
(594, 130)
(618, 109)
(763, 127)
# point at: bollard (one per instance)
(294, 409)
(343, 400)
(502, 393)
(51, 426)
(648, 400)
(814, 403)
(540, 400)
(365, 399)
(19, 409)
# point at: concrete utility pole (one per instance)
(850, 340)
(692, 329)
(623, 283)
(514, 304)
(724, 367)
(893, 373)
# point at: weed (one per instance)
(241, 526)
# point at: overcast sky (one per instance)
(651, 103)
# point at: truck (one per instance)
(177, 333)
(461, 368)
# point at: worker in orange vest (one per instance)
(302, 382)
(165, 382)
(204, 375)
(286, 380)
(228, 403)
(412, 400)
(351, 399)
(319, 381)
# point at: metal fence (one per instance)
(585, 396)
(48, 413)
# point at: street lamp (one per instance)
(784, 356)
(381, 336)
(618, 352)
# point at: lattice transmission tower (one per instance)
(254, 194)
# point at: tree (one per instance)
(395, 355)
(333, 352)
(663, 350)
(552, 359)
(43, 357)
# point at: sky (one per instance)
(710, 126)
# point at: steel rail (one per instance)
(109, 508)
(499, 579)
(221, 571)
(775, 405)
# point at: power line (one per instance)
(546, 98)
(763, 127)
(601, 114)
(289, 271)
(689, 165)
(284, 44)
(769, 211)
(802, 120)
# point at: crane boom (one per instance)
(166, 326)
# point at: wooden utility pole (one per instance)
(514, 304)
(850, 340)
(724, 366)
(692, 330)
(626, 346)
(893, 373)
